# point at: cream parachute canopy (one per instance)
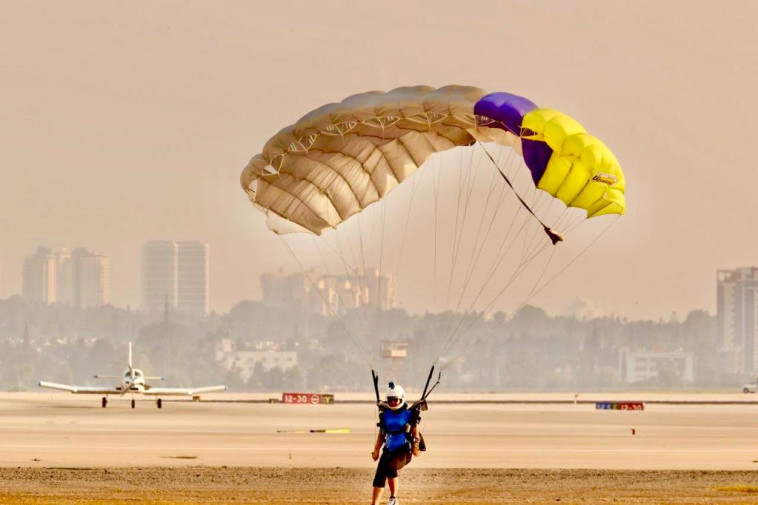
(342, 157)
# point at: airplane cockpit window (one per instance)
(138, 373)
(127, 375)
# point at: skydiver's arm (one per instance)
(378, 445)
(415, 446)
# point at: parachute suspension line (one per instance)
(365, 291)
(454, 327)
(403, 237)
(359, 256)
(359, 320)
(478, 316)
(563, 220)
(533, 241)
(575, 258)
(489, 277)
(350, 271)
(335, 316)
(360, 349)
(436, 189)
(328, 271)
(355, 273)
(459, 229)
(461, 329)
(457, 216)
(416, 185)
(495, 265)
(556, 275)
(553, 236)
(526, 259)
(380, 279)
(537, 288)
(479, 248)
(502, 248)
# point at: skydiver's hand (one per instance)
(375, 454)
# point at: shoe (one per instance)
(393, 501)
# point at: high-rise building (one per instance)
(38, 277)
(91, 278)
(79, 279)
(192, 281)
(737, 305)
(159, 264)
(64, 278)
(176, 274)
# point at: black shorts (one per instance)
(389, 463)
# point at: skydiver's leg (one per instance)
(376, 496)
(392, 482)
(380, 478)
(399, 461)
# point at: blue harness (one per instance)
(394, 425)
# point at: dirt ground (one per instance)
(273, 486)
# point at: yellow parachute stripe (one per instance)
(582, 172)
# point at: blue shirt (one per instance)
(395, 422)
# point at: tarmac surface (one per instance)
(60, 448)
(64, 430)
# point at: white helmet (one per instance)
(395, 391)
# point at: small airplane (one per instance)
(133, 382)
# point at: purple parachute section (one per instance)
(509, 110)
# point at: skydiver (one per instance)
(398, 433)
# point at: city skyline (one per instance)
(737, 328)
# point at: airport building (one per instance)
(737, 313)
(323, 294)
(78, 279)
(176, 274)
(247, 359)
(641, 365)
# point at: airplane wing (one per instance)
(182, 391)
(80, 389)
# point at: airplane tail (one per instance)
(131, 367)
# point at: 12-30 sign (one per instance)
(307, 398)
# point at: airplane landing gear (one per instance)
(104, 402)
(134, 403)
(159, 403)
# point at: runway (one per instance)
(63, 430)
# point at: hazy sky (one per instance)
(122, 122)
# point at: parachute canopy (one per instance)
(342, 157)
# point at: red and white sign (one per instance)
(307, 398)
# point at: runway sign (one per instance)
(619, 406)
(307, 398)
